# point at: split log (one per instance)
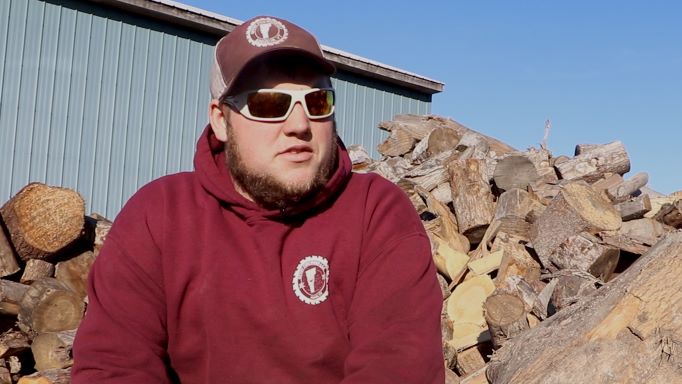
(506, 317)
(593, 164)
(450, 262)
(472, 145)
(585, 253)
(441, 139)
(465, 309)
(577, 208)
(35, 270)
(516, 261)
(50, 376)
(478, 377)
(359, 157)
(671, 214)
(474, 204)
(53, 350)
(43, 220)
(628, 331)
(635, 208)
(571, 286)
(469, 361)
(486, 264)
(519, 203)
(514, 171)
(73, 273)
(5, 375)
(397, 143)
(8, 262)
(450, 377)
(11, 294)
(449, 231)
(13, 343)
(49, 306)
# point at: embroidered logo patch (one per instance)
(265, 32)
(311, 280)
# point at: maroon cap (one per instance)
(254, 38)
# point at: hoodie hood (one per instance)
(215, 178)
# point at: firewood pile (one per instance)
(540, 257)
(47, 246)
(553, 269)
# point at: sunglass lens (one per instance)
(268, 104)
(320, 102)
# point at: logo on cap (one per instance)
(265, 32)
(311, 280)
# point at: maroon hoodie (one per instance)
(196, 284)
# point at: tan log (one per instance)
(519, 203)
(441, 139)
(450, 377)
(50, 376)
(8, 261)
(49, 306)
(11, 294)
(415, 125)
(5, 375)
(577, 208)
(486, 264)
(478, 377)
(506, 317)
(35, 270)
(635, 208)
(471, 197)
(593, 164)
(43, 220)
(584, 252)
(73, 273)
(469, 361)
(626, 332)
(514, 171)
(53, 350)
(449, 262)
(571, 287)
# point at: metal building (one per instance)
(103, 96)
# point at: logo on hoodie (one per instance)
(311, 280)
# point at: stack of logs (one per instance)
(536, 256)
(553, 269)
(47, 246)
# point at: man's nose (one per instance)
(297, 123)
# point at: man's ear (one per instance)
(218, 119)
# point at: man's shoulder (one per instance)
(372, 183)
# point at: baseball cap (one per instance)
(259, 36)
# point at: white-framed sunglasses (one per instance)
(272, 105)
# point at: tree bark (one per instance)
(593, 164)
(505, 315)
(471, 197)
(36, 269)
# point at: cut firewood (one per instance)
(506, 317)
(449, 262)
(8, 261)
(35, 270)
(471, 197)
(441, 139)
(465, 308)
(473, 145)
(50, 376)
(635, 208)
(469, 361)
(519, 203)
(450, 377)
(11, 294)
(577, 208)
(671, 214)
(49, 306)
(585, 253)
(53, 350)
(5, 375)
(514, 171)
(73, 273)
(624, 190)
(12, 343)
(593, 164)
(571, 286)
(516, 261)
(486, 264)
(43, 220)
(615, 335)
(398, 143)
(449, 230)
(478, 377)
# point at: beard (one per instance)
(266, 190)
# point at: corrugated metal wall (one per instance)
(103, 102)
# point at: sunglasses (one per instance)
(272, 105)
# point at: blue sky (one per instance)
(598, 70)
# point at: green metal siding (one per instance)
(102, 101)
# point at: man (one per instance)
(271, 262)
